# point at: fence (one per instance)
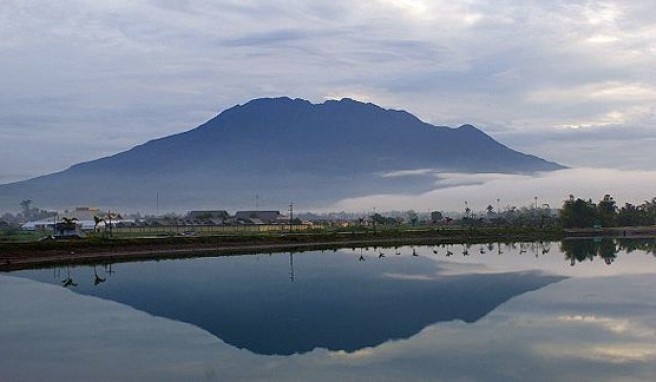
(207, 229)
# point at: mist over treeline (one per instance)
(451, 190)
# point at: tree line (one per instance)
(580, 213)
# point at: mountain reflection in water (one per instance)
(331, 301)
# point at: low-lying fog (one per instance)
(452, 190)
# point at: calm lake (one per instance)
(578, 310)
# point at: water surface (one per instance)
(578, 310)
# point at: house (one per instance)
(85, 218)
(217, 217)
(343, 223)
(39, 225)
(261, 217)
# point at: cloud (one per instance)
(480, 190)
(401, 173)
(614, 325)
(604, 353)
(625, 147)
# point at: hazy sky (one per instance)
(571, 81)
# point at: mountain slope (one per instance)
(281, 149)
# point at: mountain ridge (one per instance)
(282, 147)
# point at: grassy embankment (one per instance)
(19, 255)
(24, 250)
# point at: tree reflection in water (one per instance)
(632, 245)
(580, 250)
(97, 279)
(68, 281)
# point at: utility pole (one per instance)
(54, 223)
(109, 215)
(291, 216)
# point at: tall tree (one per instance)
(413, 218)
(649, 206)
(378, 218)
(607, 211)
(97, 220)
(578, 213)
(26, 205)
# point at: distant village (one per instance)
(89, 219)
(83, 220)
(575, 213)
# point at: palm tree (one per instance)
(67, 224)
(68, 221)
(108, 219)
(96, 220)
(68, 281)
(97, 279)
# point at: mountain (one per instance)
(281, 149)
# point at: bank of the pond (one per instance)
(15, 256)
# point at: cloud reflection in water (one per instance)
(581, 328)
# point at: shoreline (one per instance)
(18, 256)
(168, 253)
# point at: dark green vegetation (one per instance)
(581, 250)
(13, 234)
(579, 213)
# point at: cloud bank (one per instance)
(480, 190)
